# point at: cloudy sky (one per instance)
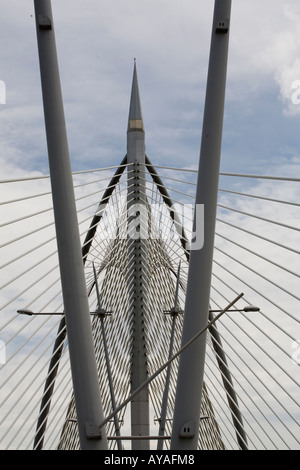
(97, 42)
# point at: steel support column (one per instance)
(228, 386)
(76, 307)
(191, 366)
(102, 314)
(164, 406)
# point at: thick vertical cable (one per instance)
(76, 307)
(191, 366)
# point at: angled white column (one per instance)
(76, 306)
(137, 255)
(191, 366)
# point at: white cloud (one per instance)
(96, 44)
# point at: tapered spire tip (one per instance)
(135, 120)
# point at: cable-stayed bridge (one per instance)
(136, 234)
